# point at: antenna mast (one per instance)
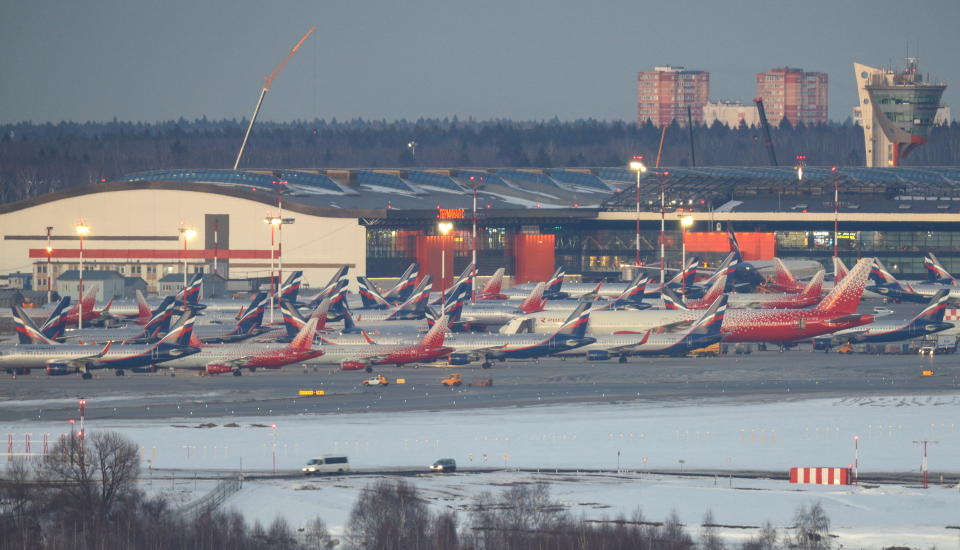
(267, 83)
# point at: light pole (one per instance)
(49, 271)
(836, 208)
(685, 222)
(444, 228)
(636, 164)
(856, 458)
(412, 145)
(274, 426)
(661, 176)
(475, 183)
(186, 233)
(274, 222)
(82, 230)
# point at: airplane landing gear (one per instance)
(238, 372)
(86, 376)
(622, 359)
(119, 372)
(486, 365)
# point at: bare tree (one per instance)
(812, 528)
(709, 539)
(316, 535)
(89, 475)
(389, 516)
(18, 523)
(766, 539)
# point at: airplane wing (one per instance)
(84, 362)
(626, 348)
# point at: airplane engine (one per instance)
(598, 355)
(59, 369)
(459, 358)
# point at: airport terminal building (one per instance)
(528, 220)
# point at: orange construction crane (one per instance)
(267, 83)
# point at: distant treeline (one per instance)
(39, 158)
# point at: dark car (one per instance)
(444, 465)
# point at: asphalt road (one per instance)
(760, 376)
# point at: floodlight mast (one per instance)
(267, 83)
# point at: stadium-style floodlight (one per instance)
(444, 228)
(685, 222)
(637, 165)
(186, 233)
(82, 230)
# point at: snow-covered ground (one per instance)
(704, 435)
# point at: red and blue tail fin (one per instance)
(27, 330)
(55, 325)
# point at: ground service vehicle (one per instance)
(378, 380)
(712, 350)
(444, 465)
(326, 464)
(452, 380)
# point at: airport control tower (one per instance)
(898, 109)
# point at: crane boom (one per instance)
(766, 130)
(268, 80)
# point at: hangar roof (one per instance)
(561, 192)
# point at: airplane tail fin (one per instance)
(293, 321)
(726, 268)
(416, 304)
(815, 287)
(554, 283)
(935, 271)
(712, 321)
(672, 301)
(143, 308)
(783, 276)
(734, 245)
(181, 333)
(253, 315)
(304, 339)
(291, 287)
(839, 270)
(880, 276)
(845, 297)
(55, 325)
(370, 295)
(576, 324)
(191, 291)
(716, 290)
(935, 309)
(634, 292)
(27, 330)
(161, 318)
(405, 286)
(495, 284)
(535, 301)
(434, 337)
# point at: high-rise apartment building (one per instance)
(664, 94)
(793, 94)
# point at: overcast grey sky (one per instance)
(390, 59)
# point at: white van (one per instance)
(326, 464)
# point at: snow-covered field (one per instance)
(704, 435)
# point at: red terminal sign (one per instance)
(450, 213)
